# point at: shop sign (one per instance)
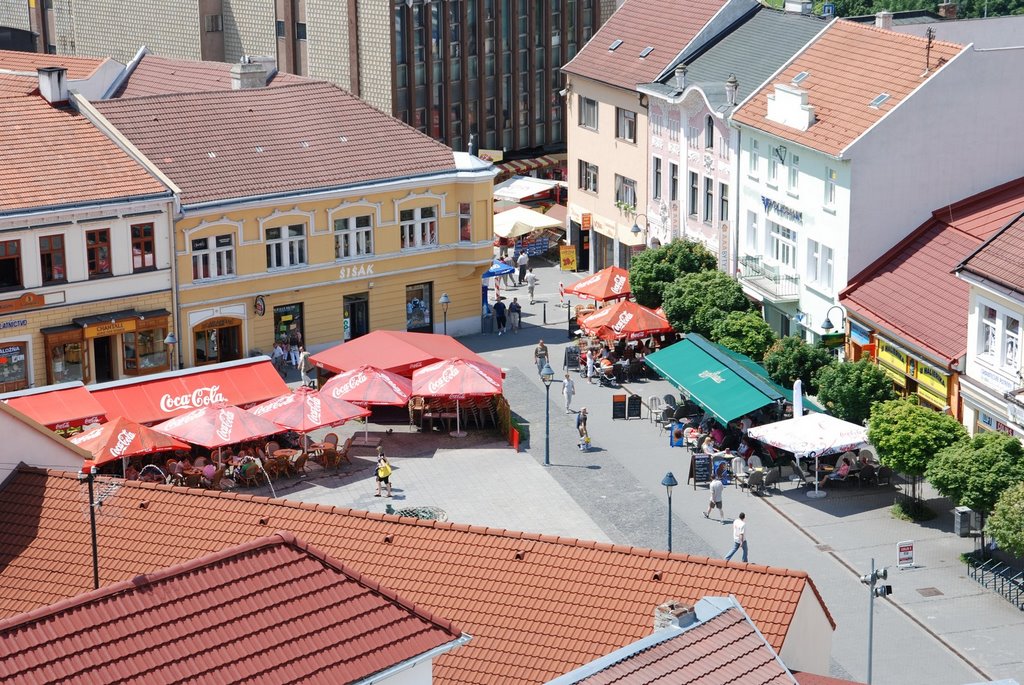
(111, 328)
(13, 323)
(1003, 428)
(355, 271)
(260, 306)
(1015, 412)
(929, 377)
(892, 357)
(567, 257)
(219, 322)
(200, 397)
(24, 302)
(774, 206)
(586, 222)
(905, 554)
(995, 380)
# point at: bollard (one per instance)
(545, 310)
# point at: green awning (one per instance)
(718, 380)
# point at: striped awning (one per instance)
(521, 166)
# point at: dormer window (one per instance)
(615, 45)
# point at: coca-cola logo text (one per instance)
(624, 318)
(313, 409)
(85, 437)
(225, 421)
(276, 403)
(449, 373)
(124, 438)
(200, 397)
(618, 283)
(351, 384)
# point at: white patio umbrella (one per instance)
(798, 397)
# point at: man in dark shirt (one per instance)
(500, 311)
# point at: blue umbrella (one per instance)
(498, 269)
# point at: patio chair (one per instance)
(218, 475)
(755, 462)
(799, 475)
(666, 422)
(670, 401)
(653, 408)
(298, 465)
(755, 482)
(884, 475)
(739, 471)
(771, 479)
(251, 473)
(867, 475)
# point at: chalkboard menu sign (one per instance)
(700, 469)
(618, 406)
(633, 407)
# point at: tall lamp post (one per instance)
(669, 481)
(444, 301)
(637, 231)
(171, 341)
(874, 590)
(547, 374)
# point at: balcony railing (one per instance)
(767, 279)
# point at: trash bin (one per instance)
(962, 521)
(487, 324)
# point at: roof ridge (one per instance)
(897, 35)
(442, 525)
(225, 93)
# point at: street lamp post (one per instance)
(871, 580)
(669, 481)
(171, 341)
(547, 374)
(827, 325)
(444, 301)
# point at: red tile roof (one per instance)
(243, 143)
(813, 679)
(1001, 258)
(911, 290)
(537, 606)
(724, 649)
(17, 85)
(155, 75)
(29, 62)
(666, 25)
(53, 156)
(848, 66)
(272, 610)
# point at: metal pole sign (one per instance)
(905, 554)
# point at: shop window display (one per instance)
(417, 307)
(13, 366)
(144, 352)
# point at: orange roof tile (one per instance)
(524, 598)
(11, 84)
(155, 75)
(848, 66)
(29, 62)
(665, 25)
(53, 156)
(198, 620)
(233, 144)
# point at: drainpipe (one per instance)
(173, 214)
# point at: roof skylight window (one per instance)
(646, 51)
(615, 44)
(878, 101)
(798, 79)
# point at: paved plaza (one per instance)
(939, 627)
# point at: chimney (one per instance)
(53, 84)
(788, 106)
(731, 85)
(248, 74)
(798, 6)
(883, 20)
(947, 10)
(269, 65)
(680, 77)
(674, 613)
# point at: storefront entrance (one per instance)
(217, 340)
(103, 351)
(356, 315)
(288, 324)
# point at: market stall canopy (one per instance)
(625, 319)
(522, 221)
(122, 438)
(218, 425)
(395, 351)
(817, 434)
(498, 269)
(369, 385)
(457, 378)
(304, 410)
(524, 188)
(58, 407)
(714, 379)
(611, 283)
(160, 396)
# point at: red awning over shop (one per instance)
(395, 351)
(60, 408)
(158, 398)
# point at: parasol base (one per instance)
(816, 494)
(458, 434)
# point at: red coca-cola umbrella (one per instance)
(123, 438)
(607, 284)
(457, 379)
(305, 409)
(368, 385)
(625, 319)
(217, 425)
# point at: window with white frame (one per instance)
(831, 176)
(353, 237)
(625, 190)
(1011, 342)
(755, 158)
(588, 112)
(819, 264)
(656, 178)
(419, 227)
(773, 171)
(709, 132)
(673, 181)
(587, 176)
(709, 199)
(988, 332)
(782, 244)
(794, 175)
(673, 127)
(286, 246)
(694, 191)
(692, 137)
(752, 232)
(723, 202)
(625, 125)
(213, 257)
(465, 222)
(723, 148)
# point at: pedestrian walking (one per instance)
(531, 283)
(568, 390)
(715, 502)
(515, 314)
(739, 537)
(509, 278)
(591, 363)
(540, 355)
(305, 366)
(278, 358)
(500, 311)
(295, 346)
(383, 472)
(523, 262)
(581, 428)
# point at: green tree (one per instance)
(907, 436)
(791, 358)
(651, 270)
(694, 302)
(849, 389)
(976, 473)
(744, 332)
(1006, 523)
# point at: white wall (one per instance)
(420, 674)
(26, 441)
(808, 645)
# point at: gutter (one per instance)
(381, 676)
(50, 209)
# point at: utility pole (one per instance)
(871, 580)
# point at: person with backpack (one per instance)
(383, 471)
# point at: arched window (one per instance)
(709, 133)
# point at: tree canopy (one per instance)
(966, 9)
(1006, 523)
(849, 389)
(694, 302)
(976, 473)
(651, 270)
(791, 358)
(744, 332)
